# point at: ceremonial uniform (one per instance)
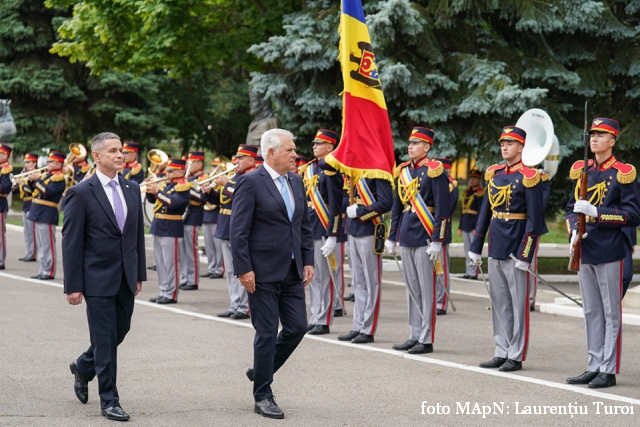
(26, 194)
(443, 278)
(328, 279)
(44, 213)
(613, 196)
(420, 214)
(168, 231)
(132, 170)
(189, 259)
(80, 171)
(471, 202)
(5, 190)
(212, 246)
(512, 215)
(239, 306)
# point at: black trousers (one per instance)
(109, 321)
(271, 301)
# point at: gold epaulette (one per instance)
(202, 177)
(183, 186)
(6, 169)
(396, 171)
(480, 192)
(492, 170)
(544, 177)
(626, 173)
(530, 177)
(436, 168)
(136, 169)
(85, 168)
(57, 177)
(576, 168)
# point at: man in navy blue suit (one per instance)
(273, 258)
(103, 256)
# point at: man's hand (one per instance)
(459, 232)
(308, 274)
(475, 258)
(248, 280)
(74, 298)
(152, 189)
(221, 180)
(138, 289)
(522, 265)
(584, 207)
(329, 246)
(352, 211)
(434, 250)
(391, 246)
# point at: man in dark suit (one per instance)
(273, 258)
(103, 256)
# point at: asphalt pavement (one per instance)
(182, 366)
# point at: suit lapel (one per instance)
(130, 200)
(101, 196)
(275, 192)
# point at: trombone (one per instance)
(228, 167)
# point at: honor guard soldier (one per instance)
(212, 246)
(171, 200)
(259, 161)
(5, 189)
(365, 227)
(132, 169)
(512, 215)
(189, 259)
(246, 162)
(444, 277)
(48, 191)
(420, 215)
(26, 188)
(612, 203)
(326, 242)
(533, 280)
(471, 201)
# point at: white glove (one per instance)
(584, 207)
(329, 246)
(352, 211)
(522, 265)
(434, 250)
(474, 257)
(390, 246)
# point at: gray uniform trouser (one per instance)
(165, 251)
(3, 237)
(29, 236)
(189, 260)
(366, 272)
(322, 290)
(338, 300)
(213, 248)
(237, 292)
(443, 279)
(421, 282)
(533, 280)
(46, 240)
(510, 298)
(601, 289)
(467, 238)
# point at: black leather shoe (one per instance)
(226, 314)
(362, 339)
(350, 297)
(250, 374)
(115, 413)
(441, 312)
(152, 267)
(465, 276)
(348, 337)
(240, 316)
(421, 349)
(37, 276)
(496, 362)
(80, 386)
(584, 378)
(182, 285)
(155, 299)
(45, 277)
(268, 408)
(510, 365)
(2, 267)
(406, 346)
(603, 381)
(215, 276)
(532, 308)
(25, 259)
(339, 312)
(190, 287)
(165, 300)
(205, 275)
(310, 326)
(319, 330)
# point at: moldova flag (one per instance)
(366, 145)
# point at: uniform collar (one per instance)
(421, 162)
(607, 164)
(251, 169)
(515, 167)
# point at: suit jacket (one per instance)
(262, 237)
(96, 256)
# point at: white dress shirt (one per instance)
(104, 180)
(275, 175)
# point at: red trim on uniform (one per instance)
(35, 243)
(342, 273)
(433, 306)
(52, 244)
(526, 324)
(196, 260)
(535, 278)
(2, 232)
(619, 339)
(445, 279)
(331, 296)
(175, 267)
(376, 311)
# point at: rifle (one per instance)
(574, 260)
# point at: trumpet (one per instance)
(230, 167)
(20, 175)
(157, 158)
(143, 186)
